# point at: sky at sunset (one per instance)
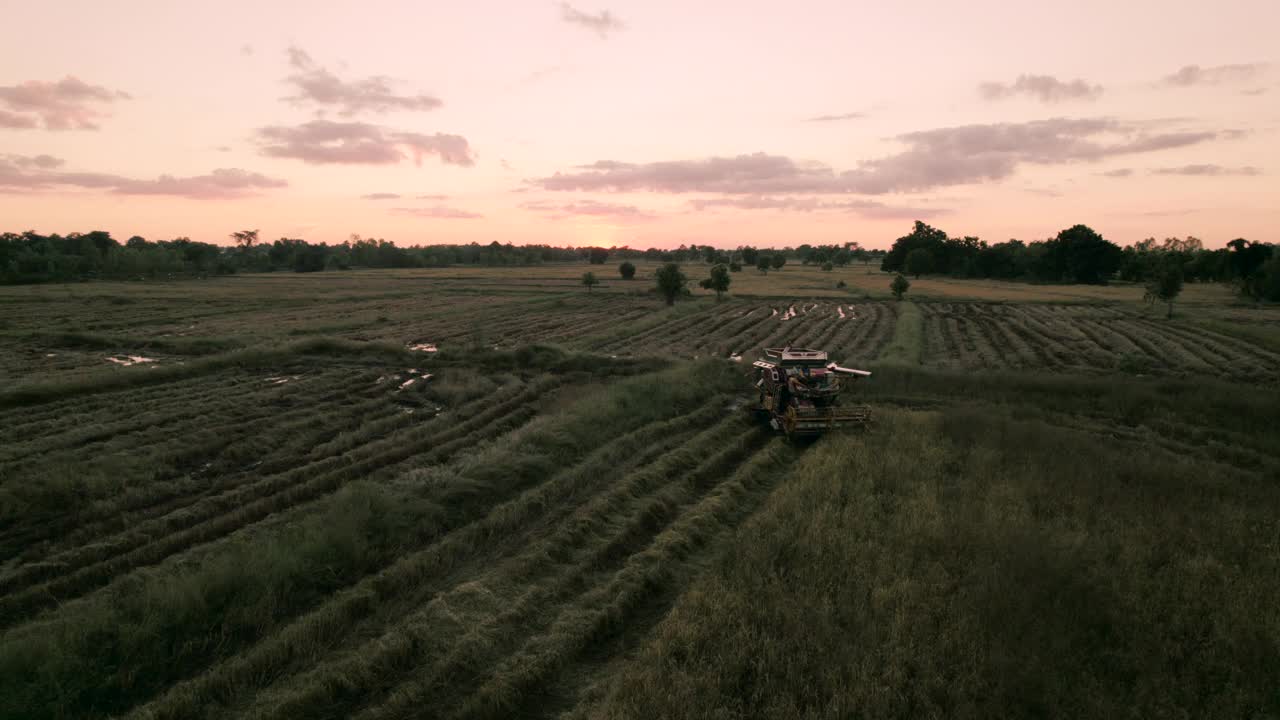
(649, 123)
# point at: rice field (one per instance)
(490, 494)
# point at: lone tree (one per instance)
(627, 270)
(900, 285)
(1165, 284)
(826, 266)
(671, 282)
(919, 262)
(762, 263)
(245, 239)
(589, 279)
(777, 261)
(718, 281)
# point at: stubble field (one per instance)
(489, 493)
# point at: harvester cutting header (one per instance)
(800, 392)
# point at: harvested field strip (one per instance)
(265, 474)
(1219, 348)
(1107, 341)
(414, 578)
(216, 517)
(547, 567)
(669, 334)
(1042, 349)
(588, 578)
(856, 339)
(712, 316)
(1173, 353)
(27, 422)
(1014, 349)
(573, 332)
(216, 411)
(224, 472)
(36, 435)
(715, 324)
(652, 567)
(724, 344)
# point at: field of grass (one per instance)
(1066, 505)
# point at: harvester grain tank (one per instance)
(800, 392)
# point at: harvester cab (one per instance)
(800, 392)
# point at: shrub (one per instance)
(899, 286)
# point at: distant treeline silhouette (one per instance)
(1077, 254)
(1080, 255)
(30, 257)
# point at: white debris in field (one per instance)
(282, 379)
(413, 371)
(407, 411)
(423, 377)
(775, 312)
(51, 354)
(841, 311)
(424, 347)
(127, 360)
(735, 357)
(790, 313)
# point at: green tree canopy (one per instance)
(719, 280)
(670, 282)
(919, 262)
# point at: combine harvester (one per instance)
(800, 392)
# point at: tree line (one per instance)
(31, 257)
(1080, 255)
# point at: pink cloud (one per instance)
(44, 162)
(1044, 88)
(836, 118)
(381, 196)
(68, 104)
(325, 142)
(932, 158)
(589, 208)
(601, 23)
(439, 212)
(1208, 169)
(1191, 75)
(318, 85)
(864, 208)
(19, 174)
(17, 122)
